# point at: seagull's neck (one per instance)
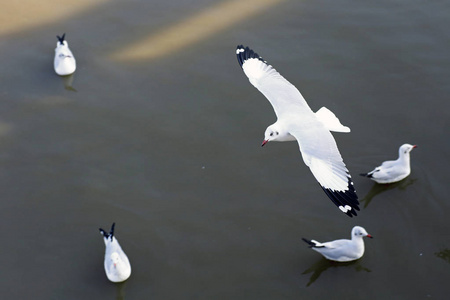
(284, 136)
(403, 158)
(283, 133)
(118, 264)
(110, 241)
(358, 241)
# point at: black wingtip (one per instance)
(104, 233)
(111, 233)
(346, 201)
(61, 38)
(244, 53)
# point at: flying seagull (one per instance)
(296, 121)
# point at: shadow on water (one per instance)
(381, 188)
(120, 288)
(68, 82)
(444, 254)
(323, 264)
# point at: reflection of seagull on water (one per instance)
(444, 254)
(393, 170)
(296, 121)
(380, 188)
(68, 81)
(322, 265)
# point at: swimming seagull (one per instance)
(296, 121)
(393, 170)
(64, 62)
(117, 265)
(342, 250)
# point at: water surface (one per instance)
(169, 149)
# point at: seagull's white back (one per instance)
(317, 145)
(64, 62)
(122, 270)
(393, 170)
(342, 250)
(117, 265)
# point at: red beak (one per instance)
(264, 142)
(414, 146)
(369, 236)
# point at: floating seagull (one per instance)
(117, 265)
(393, 170)
(296, 121)
(342, 250)
(64, 61)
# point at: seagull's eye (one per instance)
(271, 134)
(277, 132)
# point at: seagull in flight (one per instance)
(296, 121)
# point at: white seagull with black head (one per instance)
(296, 121)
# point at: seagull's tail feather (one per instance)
(245, 53)
(367, 174)
(61, 38)
(313, 243)
(104, 233)
(110, 234)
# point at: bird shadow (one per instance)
(68, 81)
(120, 289)
(444, 254)
(381, 188)
(323, 264)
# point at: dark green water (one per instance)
(169, 149)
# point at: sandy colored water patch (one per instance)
(25, 14)
(202, 25)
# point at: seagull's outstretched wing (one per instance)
(317, 145)
(321, 155)
(281, 93)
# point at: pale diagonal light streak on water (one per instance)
(193, 29)
(23, 15)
